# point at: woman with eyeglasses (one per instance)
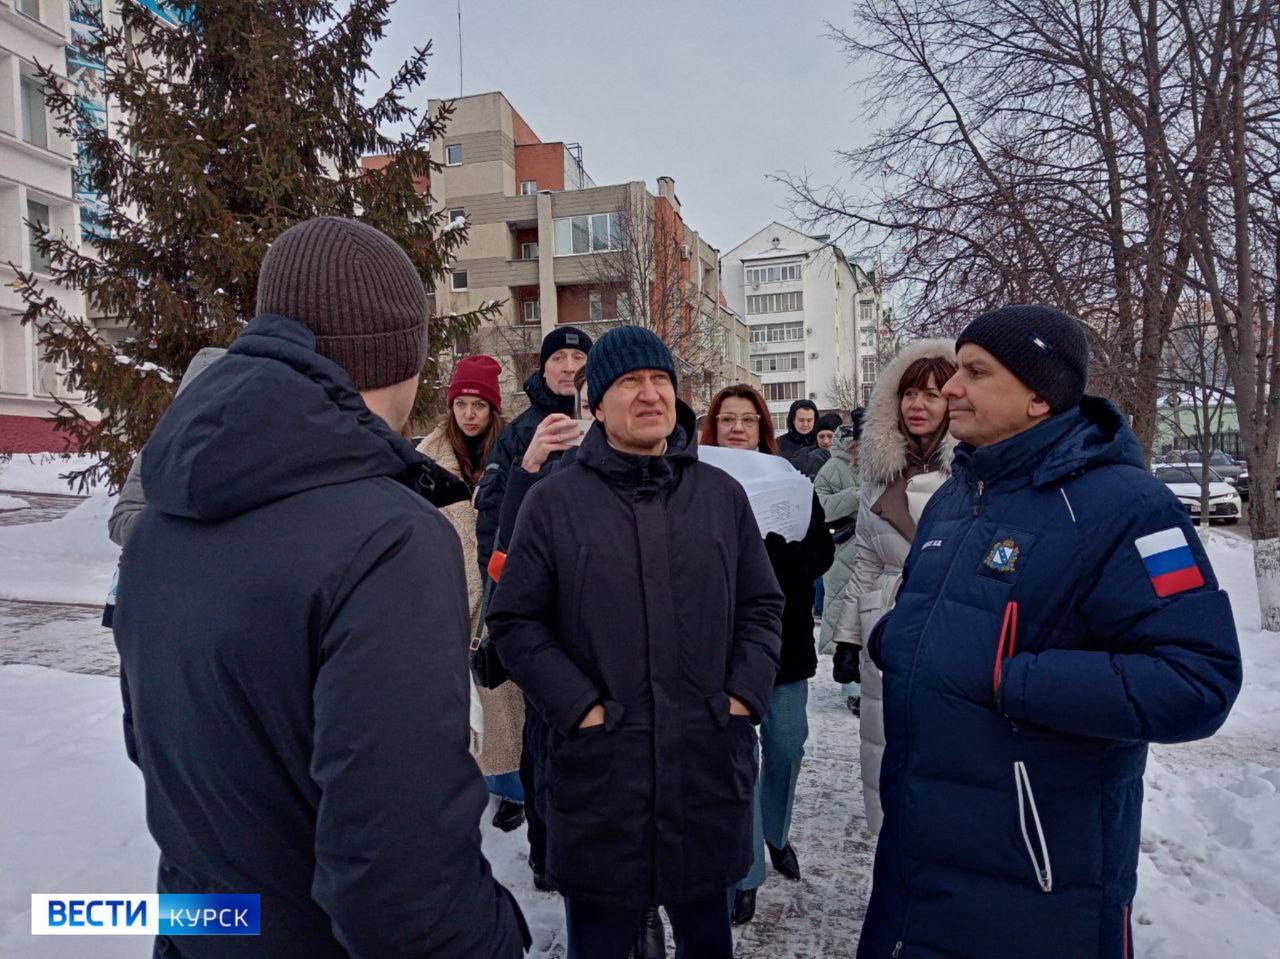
(739, 418)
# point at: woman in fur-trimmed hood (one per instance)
(904, 456)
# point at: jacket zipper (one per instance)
(897, 950)
(1008, 637)
(977, 504)
(1027, 800)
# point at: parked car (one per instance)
(1184, 483)
(1219, 461)
(1242, 484)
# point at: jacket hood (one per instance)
(270, 419)
(798, 405)
(1091, 435)
(541, 397)
(882, 453)
(628, 469)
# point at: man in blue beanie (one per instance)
(639, 613)
(1057, 613)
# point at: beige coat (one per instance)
(502, 708)
(881, 546)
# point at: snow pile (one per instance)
(11, 502)
(68, 560)
(40, 472)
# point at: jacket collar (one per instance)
(1094, 433)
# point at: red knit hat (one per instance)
(477, 376)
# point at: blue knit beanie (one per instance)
(620, 351)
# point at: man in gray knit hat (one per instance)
(293, 630)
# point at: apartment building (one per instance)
(36, 185)
(814, 315)
(553, 247)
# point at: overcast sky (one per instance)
(715, 93)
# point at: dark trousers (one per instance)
(700, 927)
(533, 780)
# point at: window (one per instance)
(458, 280)
(528, 187)
(781, 392)
(870, 367)
(773, 274)
(532, 311)
(35, 127)
(779, 422)
(776, 362)
(624, 306)
(866, 311)
(596, 233)
(453, 154)
(777, 333)
(775, 303)
(29, 7)
(866, 393)
(595, 306)
(37, 213)
(458, 216)
(528, 251)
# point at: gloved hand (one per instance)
(437, 485)
(845, 667)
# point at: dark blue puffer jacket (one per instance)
(1012, 818)
(292, 638)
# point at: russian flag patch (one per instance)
(1169, 561)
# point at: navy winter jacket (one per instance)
(292, 636)
(642, 583)
(1057, 614)
(505, 458)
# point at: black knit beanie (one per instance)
(622, 350)
(1045, 348)
(562, 338)
(828, 421)
(356, 290)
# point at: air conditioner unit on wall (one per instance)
(685, 252)
(813, 356)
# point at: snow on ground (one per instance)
(1208, 883)
(40, 472)
(68, 560)
(11, 502)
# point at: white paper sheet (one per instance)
(781, 496)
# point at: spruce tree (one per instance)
(227, 127)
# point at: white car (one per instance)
(1184, 483)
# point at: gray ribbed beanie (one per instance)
(1045, 348)
(356, 290)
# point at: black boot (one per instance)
(785, 861)
(855, 705)
(651, 940)
(744, 906)
(510, 815)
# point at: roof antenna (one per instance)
(459, 48)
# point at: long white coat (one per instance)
(880, 549)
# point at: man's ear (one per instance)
(598, 414)
(1038, 407)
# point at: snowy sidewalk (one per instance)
(1208, 880)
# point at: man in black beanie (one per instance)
(293, 633)
(528, 445)
(1056, 613)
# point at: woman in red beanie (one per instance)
(461, 444)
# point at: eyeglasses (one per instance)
(729, 420)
